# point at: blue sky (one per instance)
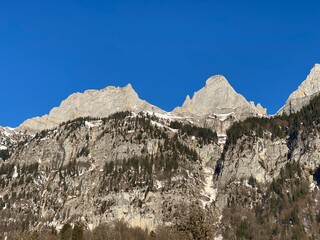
(165, 49)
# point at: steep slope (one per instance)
(127, 167)
(5, 142)
(308, 88)
(150, 172)
(219, 98)
(278, 161)
(162, 171)
(91, 103)
(9, 138)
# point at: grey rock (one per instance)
(260, 158)
(219, 98)
(308, 89)
(91, 103)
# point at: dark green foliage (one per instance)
(195, 222)
(84, 152)
(31, 168)
(7, 168)
(119, 115)
(318, 217)
(278, 215)
(316, 176)
(4, 154)
(136, 171)
(77, 232)
(304, 121)
(204, 135)
(242, 232)
(66, 232)
(252, 181)
(108, 167)
(256, 126)
(71, 168)
(290, 176)
(296, 126)
(292, 218)
(140, 171)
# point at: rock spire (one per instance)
(218, 97)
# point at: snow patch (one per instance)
(219, 237)
(90, 226)
(15, 173)
(209, 191)
(158, 184)
(222, 138)
(312, 186)
(246, 183)
(2, 147)
(167, 116)
(91, 124)
(222, 117)
(157, 124)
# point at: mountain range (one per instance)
(217, 97)
(218, 167)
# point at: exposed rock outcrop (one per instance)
(91, 103)
(148, 169)
(219, 98)
(260, 158)
(98, 171)
(308, 89)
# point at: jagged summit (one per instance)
(93, 103)
(218, 80)
(219, 97)
(307, 89)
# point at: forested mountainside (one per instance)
(144, 177)
(112, 166)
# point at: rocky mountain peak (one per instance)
(92, 103)
(218, 81)
(307, 89)
(218, 97)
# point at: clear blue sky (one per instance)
(165, 49)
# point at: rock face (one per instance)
(219, 98)
(308, 88)
(136, 168)
(149, 169)
(91, 103)
(260, 158)
(217, 106)
(97, 171)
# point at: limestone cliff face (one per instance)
(308, 88)
(257, 157)
(91, 103)
(137, 168)
(219, 98)
(98, 171)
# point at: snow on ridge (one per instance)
(167, 115)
